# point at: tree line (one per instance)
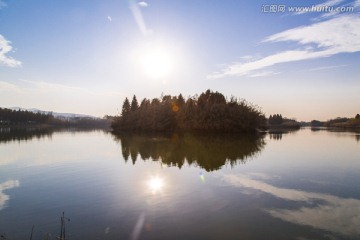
(344, 122)
(20, 116)
(210, 111)
(275, 119)
(9, 117)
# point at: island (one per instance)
(208, 112)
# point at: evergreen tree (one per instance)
(180, 101)
(134, 104)
(126, 107)
(276, 119)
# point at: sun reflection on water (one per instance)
(156, 184)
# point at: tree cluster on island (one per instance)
(275, 119)
(278, 121)
(210, 111)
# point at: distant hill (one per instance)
(64, 116)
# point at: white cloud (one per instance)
(5, 48)
(357, 3)
(109, 18)
(326, 15)
(330, 3)
(323, 68)
(2, 4)
(5, 186)
(336, 9)
(247, 69)
(335, 214)
(319, 40)
(143, 4)
(341, 34)
(264, 74)
(139, 18)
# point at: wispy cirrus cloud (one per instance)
(318, 40)
(331, 8)
(324, 68)
(330, 3)
(2, 4)
(137, 14)
(340, 34)
(5, 48)
(263, 74)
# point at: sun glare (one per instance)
(155, 184)
(157, 63)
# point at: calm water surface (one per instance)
(300, 185)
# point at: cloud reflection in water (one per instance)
(5, 186)
(332, 213)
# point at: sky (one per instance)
(83, 56)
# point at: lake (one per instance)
(296, 185)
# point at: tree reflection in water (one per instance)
(8, 134)
(20, 134)
(210, 152)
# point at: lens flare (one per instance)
(202, 177)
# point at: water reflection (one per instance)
(277, 134)
(156, 184)
(339, 132)
(12, 134)
(76, 172)
(6, 186)
(24, 134)
(210, 152)
(323, 211)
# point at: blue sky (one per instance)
(87, 56)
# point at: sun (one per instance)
(157, 62)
